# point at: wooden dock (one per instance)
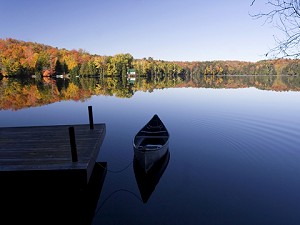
(43, 156)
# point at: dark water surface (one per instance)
(234, 154)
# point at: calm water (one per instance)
(234, 154)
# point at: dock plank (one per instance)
(47, 149)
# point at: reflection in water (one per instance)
(24, 93)
(147, 181)
(240, 163)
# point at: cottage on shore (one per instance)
(131, 72)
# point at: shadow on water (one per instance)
(42, 203)
(147, 181)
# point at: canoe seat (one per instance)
(153, 132)
(155, 128)
(150, 147)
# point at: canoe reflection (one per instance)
(147, 181)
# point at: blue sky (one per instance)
(184, 30)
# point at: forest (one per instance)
(21, 58)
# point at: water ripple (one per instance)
(251, 138)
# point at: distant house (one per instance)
(131, 76)
(131, 72)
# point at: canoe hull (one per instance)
(147, 159)
(151, 143)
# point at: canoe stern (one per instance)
(147, 158)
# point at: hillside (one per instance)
(20, 58)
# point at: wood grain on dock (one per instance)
(44, 153)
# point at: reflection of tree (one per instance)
(113, 86)
(17, 93)
(71, 92)
(279, 85)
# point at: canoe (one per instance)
(151, 143)
(147, 182)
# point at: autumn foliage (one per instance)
(20, 58)
(18, 93)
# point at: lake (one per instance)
(234, 152)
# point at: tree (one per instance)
(119, 64)
(285, 15)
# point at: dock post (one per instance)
(91, 117)
(73, 144)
